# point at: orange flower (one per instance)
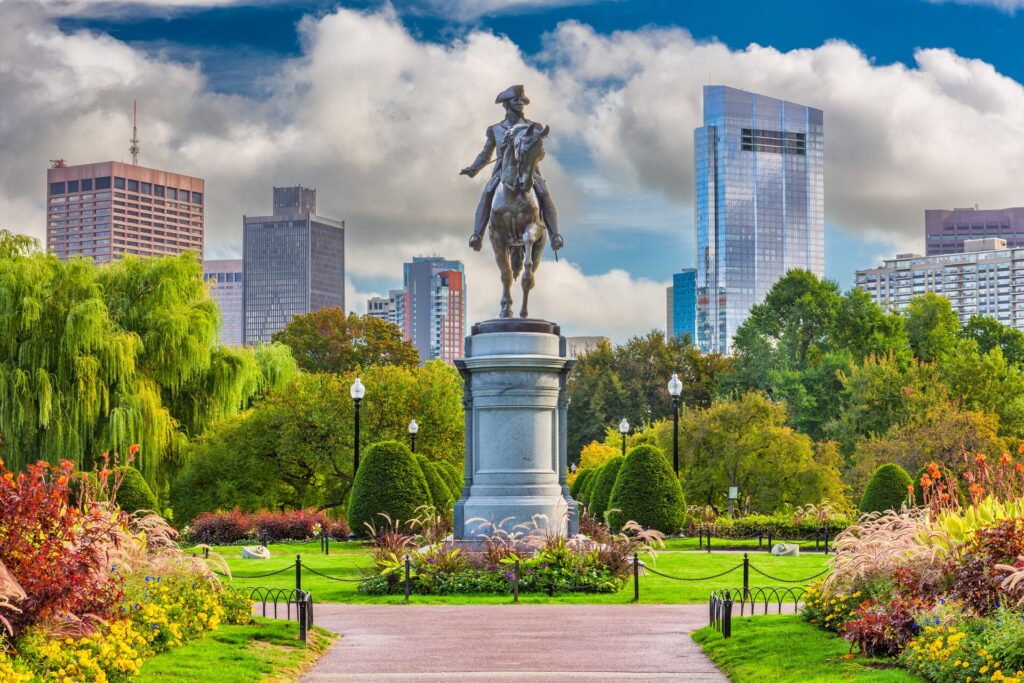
(133, 449)
(1020, 449)
(979, 459)
(945, 496)
(1005, 459)
(1020, 468)
(976, 490)
(849, 655)
(933, 470)
(910, 488)
(926, 481)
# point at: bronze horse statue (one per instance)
(517, 233)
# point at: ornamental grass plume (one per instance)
(882, 545)
(11, 593)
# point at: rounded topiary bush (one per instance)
(134, 493)
(601, 493)
(389, 481)
(440, 493)
(647, 492)
(588, 487)
(581, 479)
(450, 476)
(887, 489)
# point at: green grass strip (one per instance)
(267, 650)
(787, 648)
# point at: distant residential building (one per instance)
(390, 308)
(224, 282)
(760, 207)
(108, 209)
(986, 279)
(946, 230)
(293, 263)
(578, 346)
(682, 305)
(434, 319)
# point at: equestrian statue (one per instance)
(515, 200)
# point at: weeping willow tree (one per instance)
(94, 359)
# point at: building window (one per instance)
(147, 188)
(87, 185)
(103, 183)
(197, 197)
(72, 186)
(56, 188)
(119, 183)
(133, 186)
(172, 193)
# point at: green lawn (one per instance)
(348, 559)
(787, 648)
(265, 650)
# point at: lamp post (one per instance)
(675, 387)
(356, 391)
(413, 428)
(624, 429)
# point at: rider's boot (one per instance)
(483, 213)
(547, 210)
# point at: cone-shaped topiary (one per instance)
(588, 487)
(647, 492)
(389, 481)
(134, 493)
(440, 494)
(887, 489)
(601, 493)
(580, 481)
(449, 476)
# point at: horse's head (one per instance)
(524, 150)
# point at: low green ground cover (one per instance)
(787, 648)
(351, 560)
(267, 649)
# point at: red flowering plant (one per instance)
(976, 571)
(57, 550)
(883, 628)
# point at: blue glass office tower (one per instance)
(759, 205)
(683, 314)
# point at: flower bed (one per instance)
(938, 588)
(538, 561)
(88, 592)
(227, 528)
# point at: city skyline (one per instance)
(899, 106)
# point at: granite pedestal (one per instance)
(515, 400)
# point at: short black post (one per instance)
(709, 540)
(301, 599)
(746, 577)
(636, 578)
(769, 540)
(727, 616)
(700, 538)
(407, 565)
(826, 540)
(327, 542)
(515, 586)
(298, 572)
(206, 553)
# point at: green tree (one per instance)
(888, 489)
(745, 443)
(389, 482)
(647, 492)
(932, 326)
(327, 340)
(95, 359)
(987, 383)
(595, 396)
(989, 333)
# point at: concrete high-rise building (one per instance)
(435, 307)
(979, 281)
(947, 230)
(224, 282)
(108, 209)
(389, 309)
(682, 305)
(759, 206)
(579, 346)
(293, 263)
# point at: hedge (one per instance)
(440, 492)
(224, 528)
(133, 493)
(575, 488)
(782, 526)
(648, 492)
(887, 489)
(588, 487)
(448, 475)
(601, 493)
(390, 482)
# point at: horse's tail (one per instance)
(517, 255)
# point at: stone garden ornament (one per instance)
(515, 200)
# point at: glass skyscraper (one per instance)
(759, 205)
(682, 305)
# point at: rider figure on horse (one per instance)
(514, 98)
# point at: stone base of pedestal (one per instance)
(515, 401)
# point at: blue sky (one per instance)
(906, 85)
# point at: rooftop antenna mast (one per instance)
(134, 146)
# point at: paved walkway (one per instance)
(528, 643)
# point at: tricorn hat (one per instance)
(510, 92)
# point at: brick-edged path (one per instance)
(526, 643)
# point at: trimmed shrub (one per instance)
(224, 528)
(588, 487)
(648, 492)
(887, 489)
(389, 481)
(134, 493)
(296, 525)
(440, 494)
(601, 494)
(448, 475)
(580, 481)
(221, 528)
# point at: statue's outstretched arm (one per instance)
(482, 158)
